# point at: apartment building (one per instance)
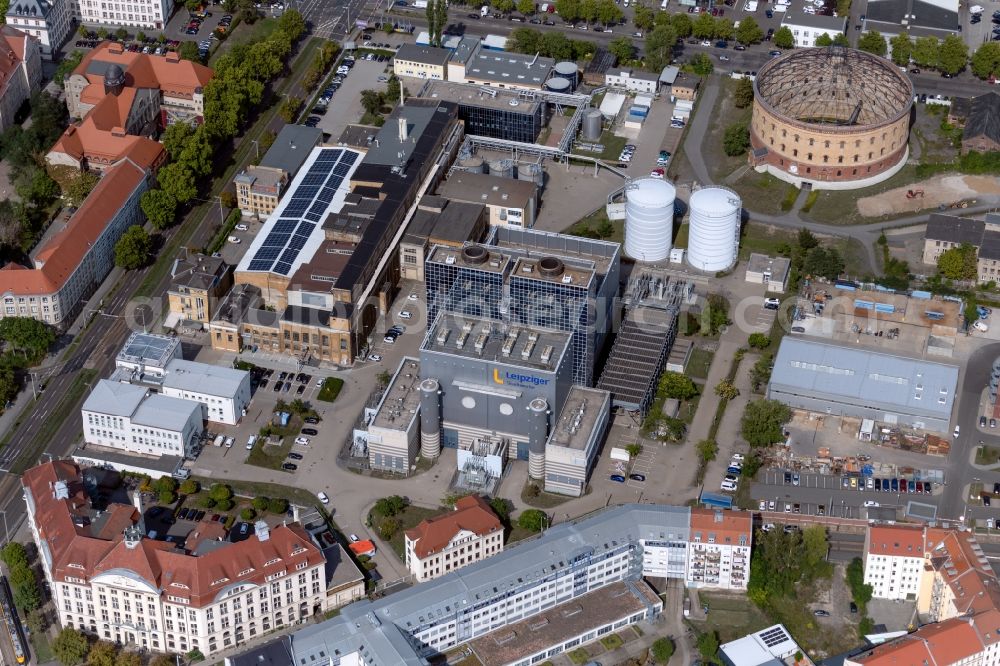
(195, 592)
(131, 418)
(719, 549)
(807, 28)
(448, 542)
(945, 232)
(576, 582)
(20, 71)
(48, 21)
(894, 562)
(136, 14)
(197, 284)
(68, 266)
(259, 187)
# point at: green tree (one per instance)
(501, 507)
(608, 12)
(824, 40)
(248, 514)
(806, 240)
(681, 23)
(102, 653)
(129, 658)
(701, 64)
(175, 137)
(292, 24)
(167, 497)
(662, 650)
(823, 261)
(371, 101)
(873, 42)
(102, 33)
(133, 249)
(643, 16)
(677, 385)
(388, 528)
(79, 187)
(556, 45)
(167, 483)
(70, 647)
(660, 47)
(622, 48)
(726, 390)
(736, 140)
(29, 337)
(708, 645)
(189, 51)
(986, 60)
(526, 7)
(633, 449)
(724, 29)
(714, 315)
(707, 449)
(763, 421)
(504, 6)
(178, 181)
(532, 520)
(121, 34)
(959, 263)
(568, 10)
(391, 506)
(14, 554)
(220, 492)
(160, 208)
(277, 505)
(206, 502)
(188, 487)
(759, 340)
(953, 55)
(703, 26)
(749, 32)
(783, 38)
(81, 30)
(442, 15)
(814, 546)
(290, 108)
(141, 37)
(225, 505)
(861, 592)
(430, 12)
(925, 51)
(840, 39)
(259, 503)
(760, 373)
(901, 48)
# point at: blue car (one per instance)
(617, 478)
(734, 470)
(895, 485)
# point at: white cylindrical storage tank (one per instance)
(715, 228)
(504, 167)
(531, 171)
(593, 124)
(568, 70)
(558, 84)
(649, 219)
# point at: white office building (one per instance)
(806, 28)
(130, 418)
(48, 21)
(453, 540)
(138, 14)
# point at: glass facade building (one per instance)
(522, 122)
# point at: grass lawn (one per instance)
(764, 239)
(331, 389)
(251, 489)
(731, 616)
(271, 456)
(681, 236)
(722, 116)
(612, 642)
(81, 384)
(518, 533)
(595, 225)
(41, 648)
(840, 207)
(699, 363)
(541, 500)
(613, 146)
(987, 455)
(579, 656)
(976, 493)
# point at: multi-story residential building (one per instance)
(197, 284)
(448, 542)
(131, 418)
(894, 562)
(945, 232)
(510, 202)
(259, 187)
(69, 265)
(806, 28)
(195, 592)
(719, 549)
(136, 14)
(579, 580)
(48, 21)
(155, 362)
(20, 71)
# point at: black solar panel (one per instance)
(308, 192)
(289, 255)
(305, 228)
(315, 217)
(296, 209)
(285, 226)
(269, 253)
(275, 240)
(282, 268)
(260, 265)
(298, 242)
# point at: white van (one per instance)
(251, 442)
(485, 11)
(980, 325)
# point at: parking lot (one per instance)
(345, 106)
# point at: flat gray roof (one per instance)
(488, 190)
(512, 101)
(800, 18)
(161, 411)
(508, 68)
(762, 263)
(428, 55)
(166, 464)
(466, 47)
(204, 378)
(114, 398)
(386, 147)
(578, 417)
(291, 148)
(487, 339)
(868, 377)
(401, 399)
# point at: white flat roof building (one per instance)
(130, 418)
(225, 392)
(768, 647)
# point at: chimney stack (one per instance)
(404, 131)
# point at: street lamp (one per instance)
(5, 530)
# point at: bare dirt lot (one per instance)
(938, 191)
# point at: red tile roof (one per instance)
(471, 513)
(62, 253)
(943, 643)
(78, 553)
(12, 51)
(896, 540)
(727, 526)
(174, 76)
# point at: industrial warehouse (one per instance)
(844, 381)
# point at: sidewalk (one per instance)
(728, 435)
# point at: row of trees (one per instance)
(591, 11)
(551, 44)
(72, 647)
(324, 58)
(437, 20)
(949, 55)
(27, 596)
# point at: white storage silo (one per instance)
(649, 219)
(715, 227)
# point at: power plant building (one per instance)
(494, 112)
(575, 439)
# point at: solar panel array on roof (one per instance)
(304, 208)
(774, 636)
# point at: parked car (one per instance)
(321, 495)
(301, 440)
(289, 467)
(617, 478)
(295, 456)
(374, 358)
(312, 432)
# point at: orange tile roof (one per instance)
(175, 77)
(77, 553)
(727, 526)
(12, 49)
(896, 540)
(471, 513)
(906, 651)
(366, 547)
(61, 255)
